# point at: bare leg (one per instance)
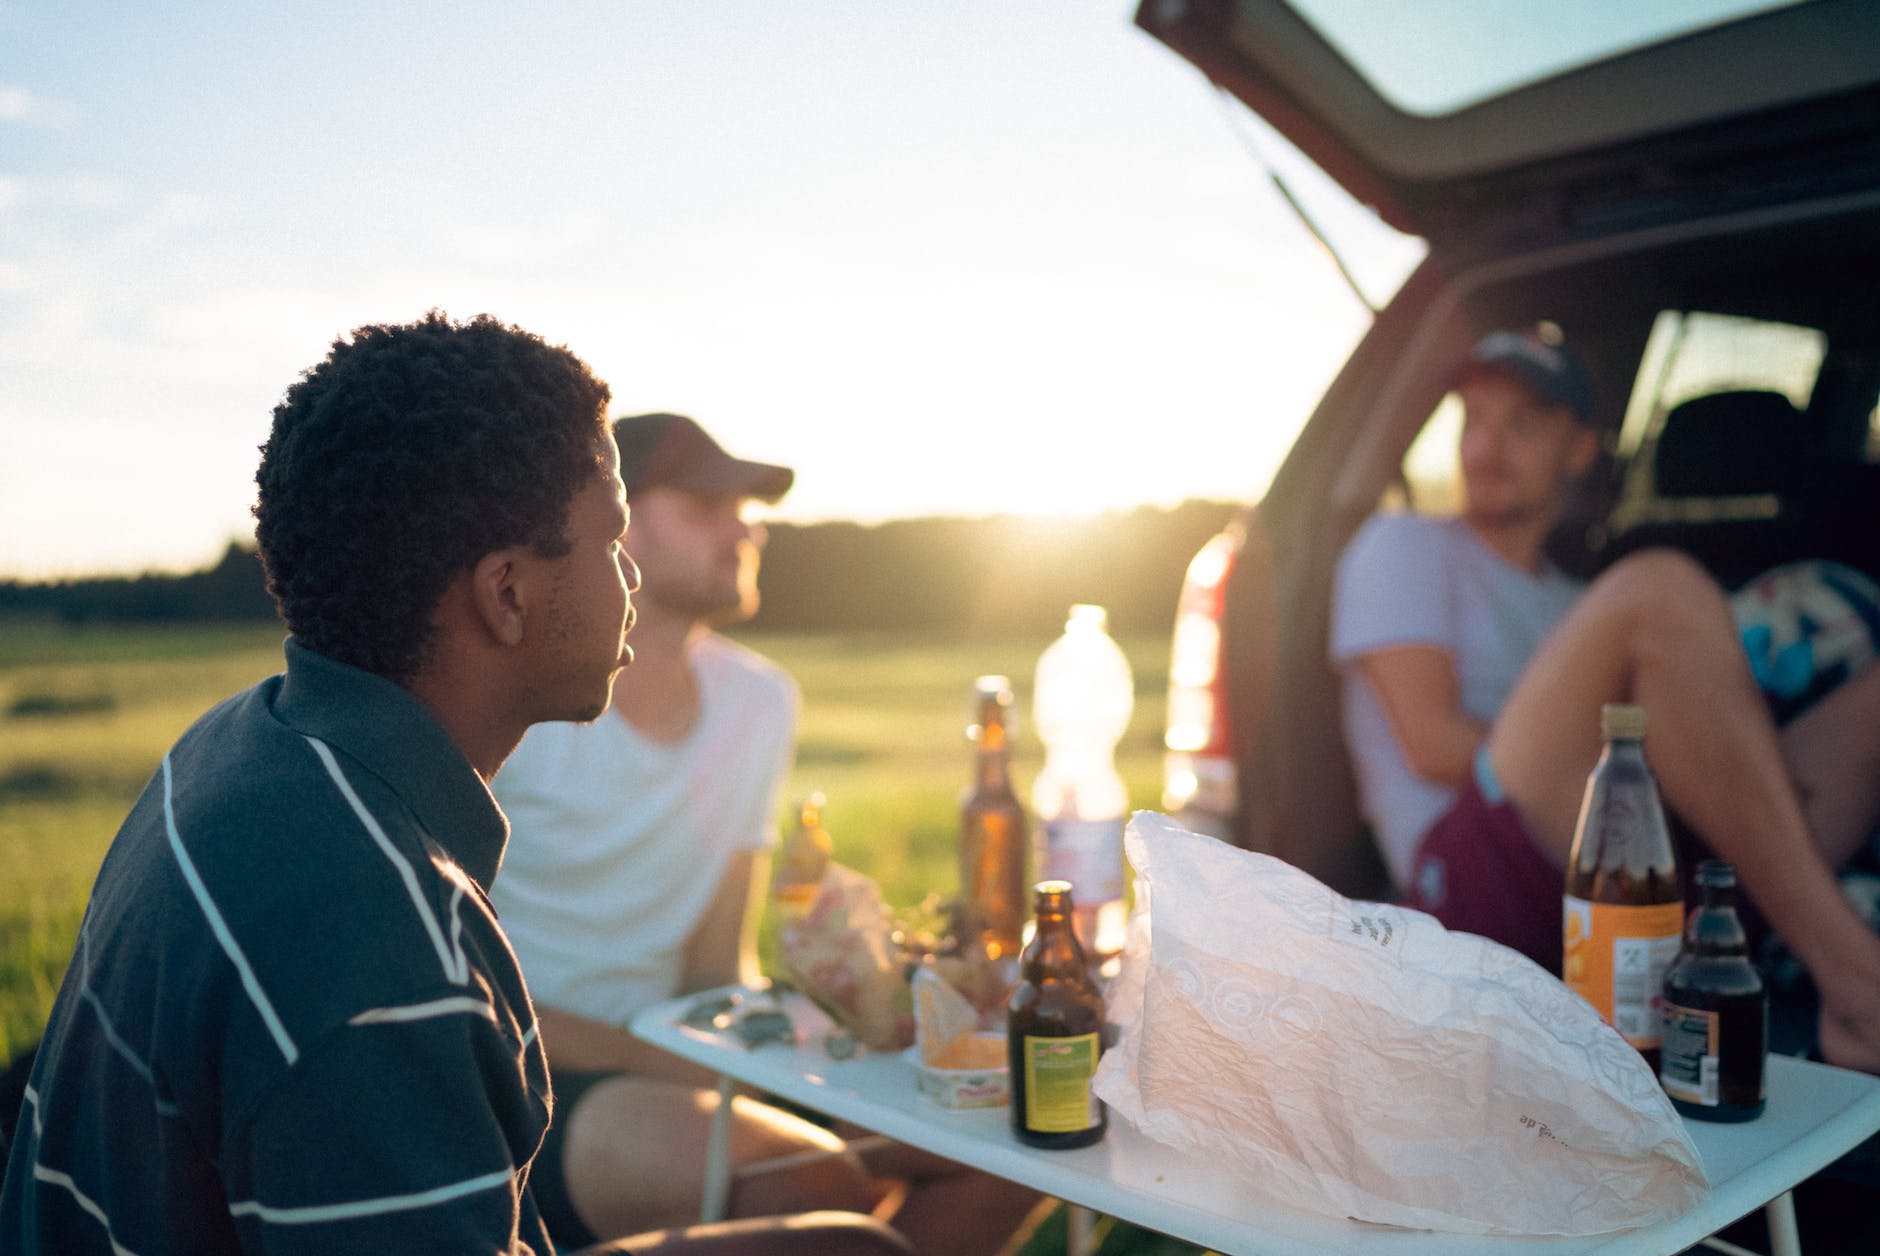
(1655, 630)
(634, 1161)
(949, 1209)
(634, 1158)
(1834, 759)
(808, 1234)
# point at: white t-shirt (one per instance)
(618, 842)
(1407, 579)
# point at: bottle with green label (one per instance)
(1054, 1029)
(1716, 1013)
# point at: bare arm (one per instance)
(722, 950)
(1422, 699)
(578, 1044)
(723, 945)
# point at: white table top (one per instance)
(1815, 1114)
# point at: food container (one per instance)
(980, 1080)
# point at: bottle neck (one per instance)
(1714, 928)
(1054, 947)
(1623, 763)
(995, 760)
(1625, 748)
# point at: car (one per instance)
(1691, 194)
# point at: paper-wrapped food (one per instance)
(1358, 1059)
(842, 954)
(960, 1065)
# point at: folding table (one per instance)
(1815, 1115)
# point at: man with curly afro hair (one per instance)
(292, 1022)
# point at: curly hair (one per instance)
(401, 460)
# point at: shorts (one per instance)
(546, 1180)
(1478, 871)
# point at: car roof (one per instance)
(1451, 120)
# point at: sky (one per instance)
(954, 258)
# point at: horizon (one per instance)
(989, 261)
(1028, 523)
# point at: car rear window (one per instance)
(1438, 56)
(1693, 356)
(1688, 357)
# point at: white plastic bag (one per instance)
(1360, 1060)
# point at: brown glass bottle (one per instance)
(993, 840)
(1054, 1032)
(1624, 908)
(1716, 1014)
(802, 860)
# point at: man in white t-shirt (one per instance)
(1474, 674)
(636, 872)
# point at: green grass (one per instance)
(883, 736)
(86, 715)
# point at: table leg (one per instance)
(717, 1193)
(1784, 1238)
(1078, 1221)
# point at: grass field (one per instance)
(85, 715)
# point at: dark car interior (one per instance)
(1739, 472)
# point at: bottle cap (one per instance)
(1088, 615)
(994, 692)
(1622, 721)
(1716, 874)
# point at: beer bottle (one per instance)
(802, 860)
(1054, 1032)
(1624, 909)
(1716, 1016)
(993, 839)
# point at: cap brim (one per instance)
(1549, 388)
(763, 481)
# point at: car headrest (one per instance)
(1728, 444)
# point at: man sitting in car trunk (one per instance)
(1473, 676)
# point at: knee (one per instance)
(1662, 587)
(853, 1233)
(1659, 567)
(832, 1182)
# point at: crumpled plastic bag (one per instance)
(1360, 1060)
(841, 953)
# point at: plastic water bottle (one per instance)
(1082, 697)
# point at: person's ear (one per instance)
(499, 587)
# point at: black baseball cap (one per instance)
(672, 449)
(1544, 364)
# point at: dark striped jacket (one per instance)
(291, 1023)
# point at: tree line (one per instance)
(982, 575)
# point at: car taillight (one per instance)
(1198, 772)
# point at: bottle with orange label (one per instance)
(1624, 911)
(802, 860)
